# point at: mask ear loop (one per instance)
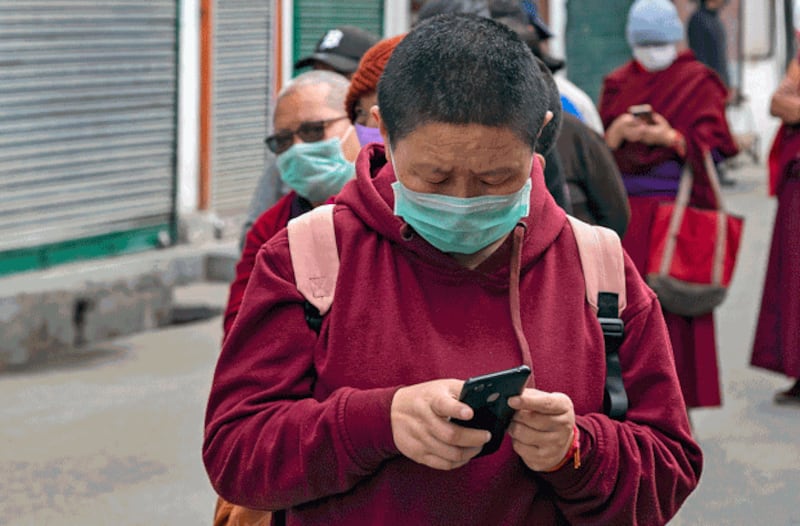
(350, 151)
(348, 133)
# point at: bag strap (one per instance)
(315, 260)
(678, 211)
(603, 266)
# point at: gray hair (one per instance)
(338, 84)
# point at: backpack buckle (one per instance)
(612, 327)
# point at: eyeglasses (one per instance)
(310, 131)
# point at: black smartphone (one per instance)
(488, 396)
(644, 112)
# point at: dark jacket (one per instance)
(708, 41)
(595, 184)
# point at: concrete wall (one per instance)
(51, 312)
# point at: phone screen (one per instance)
(643, 112)
(488, 396)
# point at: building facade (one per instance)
(121, 119)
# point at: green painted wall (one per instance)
(46, 256)
(595, 41)
(312, 18)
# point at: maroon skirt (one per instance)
(693, 341)
(777, 341)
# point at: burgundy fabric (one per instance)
(695, 253)
(267, 225)
(784, 156)
(693, 339)
(301, 421)
(777, 340)
(692, 99)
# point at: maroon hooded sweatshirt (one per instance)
(302, 422)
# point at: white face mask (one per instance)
(655, 58)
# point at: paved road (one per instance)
(752, 447)
(113, 436)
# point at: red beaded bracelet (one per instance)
(679, 144)
(574, 452)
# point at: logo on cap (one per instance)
(331, 40)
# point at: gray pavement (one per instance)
(112, 435)
(752, 447)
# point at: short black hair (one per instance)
(462, 69)
(550, 133)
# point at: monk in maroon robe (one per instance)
(777, 340)
(687, 117)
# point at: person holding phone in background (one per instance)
(455, 262)
(776, 346)
(662, 110)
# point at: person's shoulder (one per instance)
(687, 66)
(270, 222)
(622, 73)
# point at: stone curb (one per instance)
(49, 312)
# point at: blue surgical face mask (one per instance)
(315, 170)
(367, 135)
(457, 224)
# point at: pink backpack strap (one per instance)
(602, 260)
(315, 256)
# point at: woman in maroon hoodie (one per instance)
(455, 262)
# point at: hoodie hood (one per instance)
(371, 199)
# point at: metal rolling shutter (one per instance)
(87, 118)
(242, 89)
(312, 18)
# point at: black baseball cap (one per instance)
(441, 7)
(514, 14)
(536, 20)
(340, 48)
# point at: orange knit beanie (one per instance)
(365, 79)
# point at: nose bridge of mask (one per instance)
(323, 149)
(315, 170)
(390, 149)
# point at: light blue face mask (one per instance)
(315, 170)
(461, 225)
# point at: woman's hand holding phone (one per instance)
(542, 428)
(422, 430)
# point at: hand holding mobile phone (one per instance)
(643, 112)
(488, 396)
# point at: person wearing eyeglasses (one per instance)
(315, 146)
(361, 96)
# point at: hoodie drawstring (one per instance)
(513, 295)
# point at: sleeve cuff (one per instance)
(367, 425)
(568, 477)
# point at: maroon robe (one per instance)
(692, 99)
(777, 341)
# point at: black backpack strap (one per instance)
(615, 401)
(603, 263)
(313, 317)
